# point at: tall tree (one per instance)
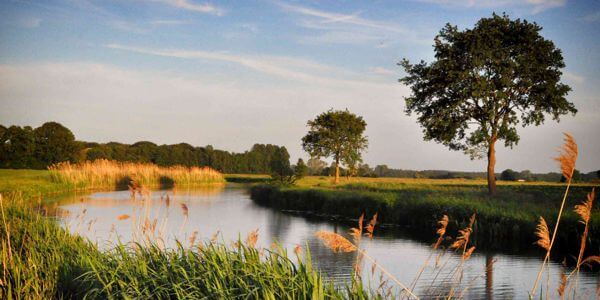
(337, 134)
(54, 143)
(484, 82)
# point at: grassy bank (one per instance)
(507, 221)
(40, 260)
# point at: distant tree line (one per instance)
(28, 148)
(318, 167)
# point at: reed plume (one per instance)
(543, 234)
(184, 209)
(371, 226)
(123, 217)
(336, 242)
(568, 156)
(356, 233)
(584, 210)
(252, 238)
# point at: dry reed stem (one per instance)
(562, 285)
(7, 230)
(441, 231)
(567, 160)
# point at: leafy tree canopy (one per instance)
(484, 82)
(337, 134)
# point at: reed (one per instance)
(108, 173)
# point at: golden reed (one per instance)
(102, 173)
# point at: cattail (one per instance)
(184, 209)
(123, 217)
(371, 226)
(356, 233)
(543, 233)
(336, 242)
(568, 157)
(252, 238)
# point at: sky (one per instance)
(235, 73)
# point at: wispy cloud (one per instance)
(288, 68)
(29, 22)
(196, 7)
(352, 28)
(382, 71)
(535, 6)
(128, 27)
(593, 17)
(329, 17)
(574, 78)
(170, 22)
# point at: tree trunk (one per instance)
(491, 176)
(337, 170)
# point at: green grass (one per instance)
(40, 260)
(506, 221)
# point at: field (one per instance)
(70, 267)
(506, 221)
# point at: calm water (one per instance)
(230, 212)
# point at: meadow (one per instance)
(504, 222)
(72, 267)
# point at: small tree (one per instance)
(508, 175)
(336, 134)
(316, 166)
(300, 170)
(483, 82)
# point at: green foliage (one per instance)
(26, 148)
(54, 143)
(315, 166)
(300, 169)
(508, 220)
(508, 175)
(336, 134)
(484, 82)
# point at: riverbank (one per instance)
(506, 221)
(41, 260)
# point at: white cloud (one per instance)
(29, 22)
(127, 27)
(535, 6)
(574, 78)
(593, 17)
(353, 19)
(382, 71)
(196, 7)
(288, 68)
(347, 28)
(170, 22)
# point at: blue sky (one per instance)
(233, 73)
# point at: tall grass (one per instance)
(40, 260)
(102, 173)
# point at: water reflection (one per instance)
(229, 211)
